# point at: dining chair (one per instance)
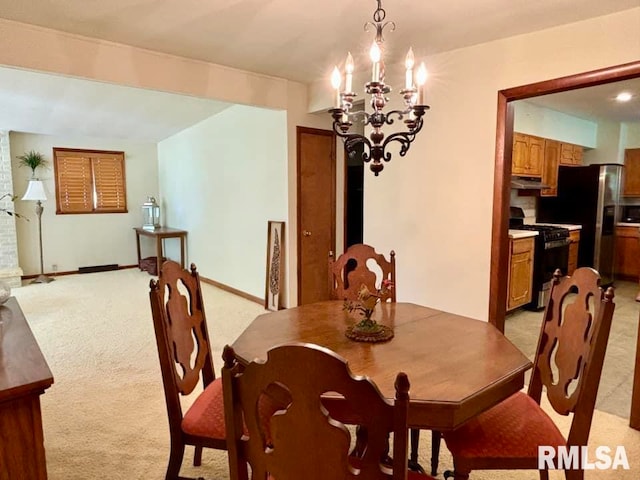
(304, 440)
(568, 364)
(185, 357)
(352, 269)
(347, 274)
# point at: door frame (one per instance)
(502, 172)
(314, 131)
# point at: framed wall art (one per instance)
(275, 266)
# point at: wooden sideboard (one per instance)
(24, 376)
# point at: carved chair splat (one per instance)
(568, 364)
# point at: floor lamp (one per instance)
(35, 192)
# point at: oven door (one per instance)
(554, 256)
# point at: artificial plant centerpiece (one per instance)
(33, 160)
(368, 329)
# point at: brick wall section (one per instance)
(10, 272)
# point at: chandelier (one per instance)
(375, 147)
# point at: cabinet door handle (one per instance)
(306, 233)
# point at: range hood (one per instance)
(527, 183)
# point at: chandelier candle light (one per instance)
(375, 147)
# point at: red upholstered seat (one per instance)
(512, 429)
(205, 417)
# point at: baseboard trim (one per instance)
(70, 272)
(235, 291)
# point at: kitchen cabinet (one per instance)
(550, 168)
(628, 252)
(570, 154)
(520, 272)
(528, 155)
(574, 238)
(631, 185)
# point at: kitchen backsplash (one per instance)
(528, 205)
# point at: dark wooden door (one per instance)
(316, 211)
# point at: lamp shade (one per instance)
(35, 191)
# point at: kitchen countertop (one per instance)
(515, 234)
(627, 224)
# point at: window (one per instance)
(89, 181)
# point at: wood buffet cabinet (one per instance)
(520, 272)
(24, 376)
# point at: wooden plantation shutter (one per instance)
(74, 188)
(89, 181)
(108, 176)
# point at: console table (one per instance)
(160, 234)
(24, 376)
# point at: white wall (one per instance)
(608, 145)
(73, 241)
(632, 135)
(222, 180)
(434, 207)
(547, 123)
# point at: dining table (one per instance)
(458, 367)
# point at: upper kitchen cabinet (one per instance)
(528, 155)
(570, 154)
(631, 186)
(550, 168)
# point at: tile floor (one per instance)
(614, 395)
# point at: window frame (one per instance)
(93, 157)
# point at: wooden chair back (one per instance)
(350, 271)
(181, 336)
(571, 347)
(304, 441)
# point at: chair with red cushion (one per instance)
(305, 442)
(352, 269)
(362, 265)
(568, 363)
(185, 360)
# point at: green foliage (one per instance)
(10, 212)
(33, 160)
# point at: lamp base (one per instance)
(42, 279)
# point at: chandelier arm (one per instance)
(399, 113)
(404, 138)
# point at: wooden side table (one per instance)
(160, 234)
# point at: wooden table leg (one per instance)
(138, 245)
(159, 254)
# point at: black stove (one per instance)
(551, 252)
(548, 233)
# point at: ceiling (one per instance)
(56, 105)
(596, 103)
(297, 40)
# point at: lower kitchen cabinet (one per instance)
(520, 272)
(628, 252)
(574, 238)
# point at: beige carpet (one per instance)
(105, 417)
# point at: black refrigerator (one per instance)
(588, 196)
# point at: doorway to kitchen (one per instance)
(500, 238)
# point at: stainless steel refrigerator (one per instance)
(588, 196)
